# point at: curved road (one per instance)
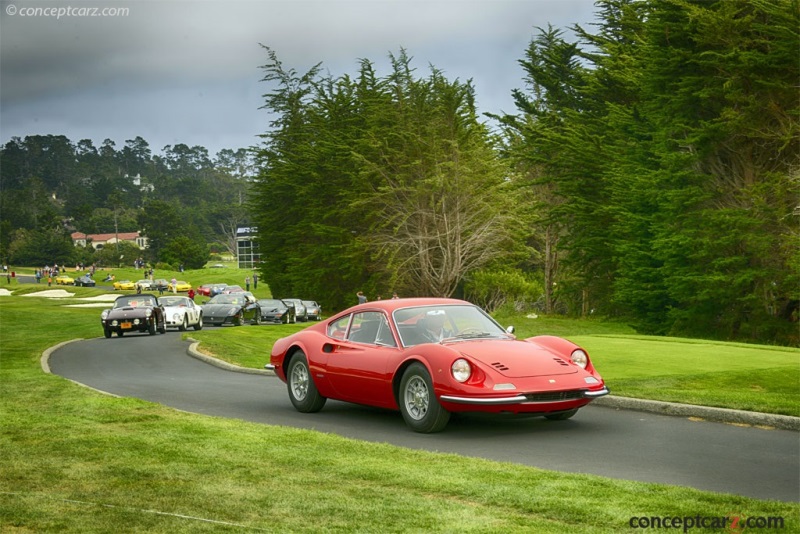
(613, 443)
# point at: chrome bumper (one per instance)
(517, 399)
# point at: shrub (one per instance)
(494, 289)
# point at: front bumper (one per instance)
(530, 398)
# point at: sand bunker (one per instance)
(51, 293)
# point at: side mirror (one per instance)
(510, 330)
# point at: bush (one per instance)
(494, 289)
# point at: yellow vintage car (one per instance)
(65, 280)
(180, 285)
(124, 284)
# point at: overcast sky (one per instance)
(187, 71)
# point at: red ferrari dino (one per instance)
(429, 357)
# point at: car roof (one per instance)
(391, 305)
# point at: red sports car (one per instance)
(429, 357)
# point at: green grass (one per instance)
(75, 460)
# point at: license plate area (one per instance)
(125, 326)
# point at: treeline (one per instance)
(181, 199)
(649, 173)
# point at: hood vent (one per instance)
(499, 366)
(560, 361)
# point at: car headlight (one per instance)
(233, 311)
(148, 312)
(104, 315)
(176, 317)
(461, 370)
(579, 358)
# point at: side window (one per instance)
(385, 336)
(338, 329)
(364, 328)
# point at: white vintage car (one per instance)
(182, 312)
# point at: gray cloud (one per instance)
(187, 71)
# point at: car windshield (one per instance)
(271, 303)
(431, 324)
(174, 301)
(138, 301)
(226, 299)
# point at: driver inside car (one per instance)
(432, 326)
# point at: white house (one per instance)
(98, 241)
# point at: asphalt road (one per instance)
(621, 444)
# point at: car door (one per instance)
(359, 366)
(192, 312)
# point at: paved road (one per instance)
(614, 443)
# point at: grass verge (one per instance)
(75, 460)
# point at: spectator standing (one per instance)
(255, 281)
(247, 283)
(175, 286)
(361, 297)
(191, 294)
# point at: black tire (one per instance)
(302, 390)
(418, 404)
(152, 328)
(199, 325)
(107, 332)
(257, 318)
(561, 416)
(163, 328)
(237, 320)
(184, 325)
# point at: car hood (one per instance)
(515, 358)
(124, 313)
(216, 308)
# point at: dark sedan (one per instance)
(85, 281)
(276, 311)
(235, 309)
(134, 313)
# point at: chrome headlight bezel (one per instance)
(461, 370)
(579, 358)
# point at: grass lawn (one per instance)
(75, 460)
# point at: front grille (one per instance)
(554, 396)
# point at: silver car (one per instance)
(300, 311)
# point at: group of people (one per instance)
(362, 298)
(247, 282)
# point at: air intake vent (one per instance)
(499, 366)
(555, 396)
(561, 362)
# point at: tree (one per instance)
(376, 184)
(184, 251)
